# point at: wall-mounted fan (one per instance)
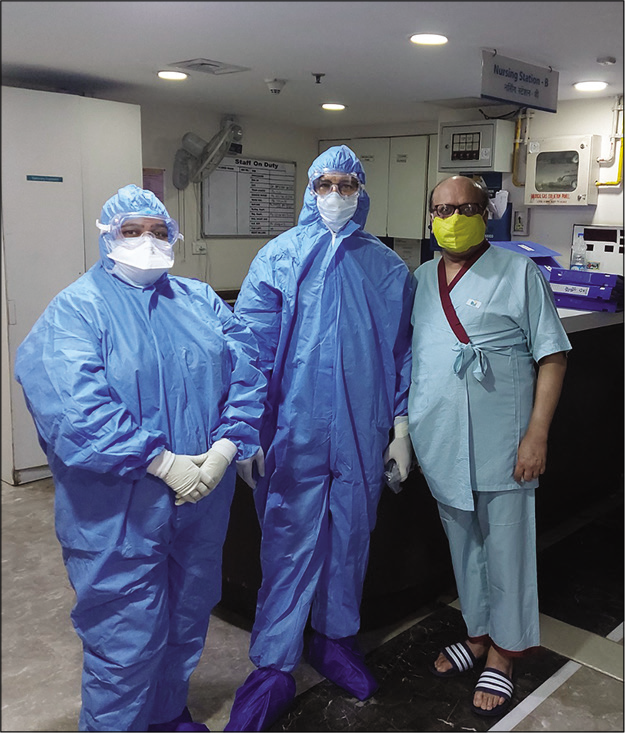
(197, 158)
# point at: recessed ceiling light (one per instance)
(429, 39)
(590, 86)
(172, 75)
(332, 106)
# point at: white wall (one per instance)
(7, 429)
(227, 260)
(552, 226)
(393, 129)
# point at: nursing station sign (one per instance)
(509, 80)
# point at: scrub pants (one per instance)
(493, 552)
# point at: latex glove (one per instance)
(245, 468)
(218, 458)
(182, 474)
(400, 448)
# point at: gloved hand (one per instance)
(218, 458)
(400, 448)
(182, 474)
(246, 466)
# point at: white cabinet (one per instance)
(374, 155)
(407, 186)
(396, 170)
(63, 156)
(324, 145)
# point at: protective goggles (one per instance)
(133, 225)
(344, 183)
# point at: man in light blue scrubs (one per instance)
(489, 358)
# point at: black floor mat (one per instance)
(580, 581)
(410, 698)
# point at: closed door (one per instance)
(62, 157)
(407, 186)
(374, 155)
(43, 227)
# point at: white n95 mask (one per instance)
(337, 210)
(142, 260)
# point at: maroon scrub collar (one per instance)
(445, 291)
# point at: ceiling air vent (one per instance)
(209, 67)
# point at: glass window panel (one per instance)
(557, 171)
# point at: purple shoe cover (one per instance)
(264, 696)
(190, 726)
(184, 717)
(342, 662)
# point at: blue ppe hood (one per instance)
(128, 199)
(338, 159)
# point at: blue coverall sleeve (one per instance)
(260, 306)
(78, 416)
(403, 348)
(243, 410)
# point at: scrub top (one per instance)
(470, 403)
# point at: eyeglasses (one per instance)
(446, 210)
(347, 187)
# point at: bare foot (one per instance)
(442, 664)
(486, 700)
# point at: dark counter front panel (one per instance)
(409, 564)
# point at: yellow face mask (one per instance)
(458, 233)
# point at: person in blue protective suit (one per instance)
(489, 358)
(143, 388)
(330, 307)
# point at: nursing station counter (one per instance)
(579, 290)
(585, 460)
(409, 563)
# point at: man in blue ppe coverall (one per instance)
(330, 306)
(143, 388)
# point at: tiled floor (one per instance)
(575, 683)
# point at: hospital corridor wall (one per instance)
(409, 603)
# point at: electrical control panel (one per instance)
(474, 147)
